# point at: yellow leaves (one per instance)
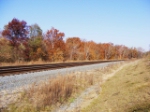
(39, 51)
(5, 49)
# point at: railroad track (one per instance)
(10, 70)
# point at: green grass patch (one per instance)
(127, 91)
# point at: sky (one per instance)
(121, 22)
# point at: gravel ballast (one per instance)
(10, 83)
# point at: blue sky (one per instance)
(124, 22)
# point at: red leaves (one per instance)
(54, 35)
(16, 31)
(51, 46)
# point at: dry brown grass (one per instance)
(127, 91)
(55, 90)
(26, 63)
(35, 62)
(31, 62)
(52, 93)
(58, 90)
(41, 62)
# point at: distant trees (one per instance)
(72, 46)
(35, 31)
(16, 32)
(55, 45)
(91, 51)
(35, 42)
(19, 41)
(5, 50)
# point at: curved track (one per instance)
(8, 70)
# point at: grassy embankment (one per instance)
(127, 91)
(59, 90)
(44, 62)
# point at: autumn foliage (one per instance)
(22, 42)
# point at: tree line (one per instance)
(19, 41)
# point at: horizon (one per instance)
(118, 22)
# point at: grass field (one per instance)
(127, 91)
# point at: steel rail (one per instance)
(9, 70)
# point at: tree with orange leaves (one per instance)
(55, 45)
(91, 50)
(73, 46)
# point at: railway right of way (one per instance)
(22, 80)
(11, 70)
